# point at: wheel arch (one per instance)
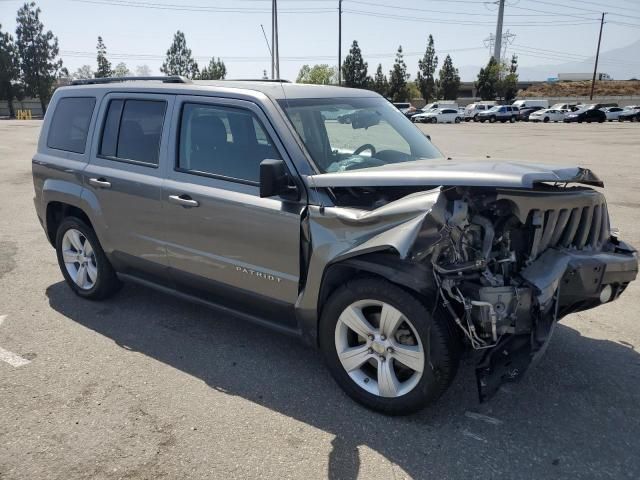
(413, 276)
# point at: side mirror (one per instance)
(274, 179)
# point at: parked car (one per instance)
(631, 115)
(591, 114)
(472, 110)
(439, 115)
(524, 113)
(360, 238)
(548, 115)
(563, 106)
(406, 108)
(440, 104)
(527, 103)
(501, 113)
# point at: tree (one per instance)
(449, 80)
(398, 79)
(216, 70)
(38, 52)
(507, 86)
(354, 68)
(83, 73)
(121, 70)
(143, 71)
(380, 83)
(179, 60)
(104, 65)
(318, 74)
(426, 69)
(9, 71)
(488, 78)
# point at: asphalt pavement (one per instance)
(145, 386)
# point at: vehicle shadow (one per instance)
(576, 415)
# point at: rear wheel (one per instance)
(475, 118)
(82, 261)
(512, 119)
(492, 118)
(457, 120)
(546, 120)
(385, 348)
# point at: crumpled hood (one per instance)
(452, 173)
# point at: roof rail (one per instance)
(166, 79)
(276, 80)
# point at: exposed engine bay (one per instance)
(506, 263)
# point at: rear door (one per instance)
(124, 179)
(224, 242)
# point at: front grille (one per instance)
(577, 227)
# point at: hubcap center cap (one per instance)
(378, 348)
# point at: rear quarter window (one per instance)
(70, 124)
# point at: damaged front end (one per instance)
(505, 264)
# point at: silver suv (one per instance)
(359, 237)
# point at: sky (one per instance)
(139, 32)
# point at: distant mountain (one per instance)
(611, 62)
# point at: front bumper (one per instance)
(564, 281)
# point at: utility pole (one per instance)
(275, 50)
(497, 49)
(595, 67)
(339, 42)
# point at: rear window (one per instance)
(132, 130)
(70, 124)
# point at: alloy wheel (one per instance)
(79, 259)
(379, 348)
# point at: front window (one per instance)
(352, 133)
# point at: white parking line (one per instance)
(12, 359)
(9, 357)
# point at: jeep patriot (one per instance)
(359, 236)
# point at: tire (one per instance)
(546, 120)
(512, 119)
(467, 119)
(475, 118)
(457, 120)
(432, 335)
(492, 119)
(105, 282)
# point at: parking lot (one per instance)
(145, 386)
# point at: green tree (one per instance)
(104, 65)
(179, 60)
(449, 80)
(380, 84)
(318, 74)
(354, 68)
(143, 71)
(83, 73)
(10, 89)
(216, 70)
(487, 82)
(398, 91)
(38, 52)
(121, 70)
(507, 87)
(426, 69)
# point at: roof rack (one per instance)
(167, 79)
(272, 80)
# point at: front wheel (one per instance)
(457, 120)
(82, 261)
(512, 119)
(546, 120)
(492, 118)
(385, 348)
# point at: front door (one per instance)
(124, 178)
(224, 242)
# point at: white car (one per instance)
(440, 115)
(547, 115)
(613, 113)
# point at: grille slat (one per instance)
(579, 227)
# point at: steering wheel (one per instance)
(366, 146)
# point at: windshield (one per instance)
(352, 133)
(494, 109)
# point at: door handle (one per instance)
(184, 201)
(99, 182)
